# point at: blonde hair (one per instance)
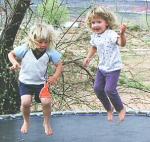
(41, 31)
(103, 13)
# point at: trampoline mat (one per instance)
(79, 128)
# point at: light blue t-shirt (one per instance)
(33, 70)
(53, 54)
(107, 50)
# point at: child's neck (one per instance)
(37, 53)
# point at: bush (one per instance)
(134, 27)
(53, 12)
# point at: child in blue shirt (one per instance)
(35, 55)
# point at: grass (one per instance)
(135, 21)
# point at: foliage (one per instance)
(134, 27)
(132, 83)
(53, 12)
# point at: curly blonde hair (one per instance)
(41, 31)
(103, 13)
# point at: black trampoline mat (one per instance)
(79, 128)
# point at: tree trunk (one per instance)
(9, 98)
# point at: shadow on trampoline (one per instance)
(79, 127)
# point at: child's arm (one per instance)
(13, 60)
(53, 79)
(90, 54)
(122, 38)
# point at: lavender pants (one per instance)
(105, 88)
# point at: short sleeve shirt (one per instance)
(54, 55)
(107, 50)
(33, 70)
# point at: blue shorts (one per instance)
(30, 89)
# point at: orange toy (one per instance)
(45, 92)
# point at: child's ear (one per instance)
(107, 25)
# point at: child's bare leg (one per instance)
(122, 114)
(25, 109)
(110, 114)
(46, 104)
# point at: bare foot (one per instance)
(110, 115)
(48, 129)
(24, 128)
(122, 114)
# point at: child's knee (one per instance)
(26, 101)
(45, 101)
(110, 91)
(25, 104)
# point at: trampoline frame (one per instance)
(59, 113)
(89, 131)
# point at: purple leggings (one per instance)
(105, 88)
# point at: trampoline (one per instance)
(79, 127)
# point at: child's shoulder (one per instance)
(110, 31)
(93, 35)
(54, 55)
(21, 50)
(52, 51)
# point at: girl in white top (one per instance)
(105, 41)
(35, 55)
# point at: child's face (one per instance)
(98, 25)
(42, 45)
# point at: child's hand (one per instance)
(123, 28)
(15, 66)
(52, 80)
(86, 62)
